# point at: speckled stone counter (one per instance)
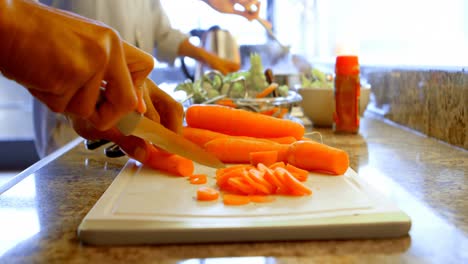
(433, 102)
(427, 179)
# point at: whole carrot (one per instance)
(237, 150)
(238, 122)
(314, 156)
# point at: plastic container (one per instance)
(346, 94)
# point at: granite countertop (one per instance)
(426, 178)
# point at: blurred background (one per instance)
(417, 33)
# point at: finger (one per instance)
(170, 111)
(119, 96)
(83, 103)
(139, 63)
(151, 112)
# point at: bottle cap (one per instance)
(347, 64)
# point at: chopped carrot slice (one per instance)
(222, 179)
(261, 198)
(234, 199)
(257, 186)
(258, 176)
(292, 183)
(300, 174)
(198, 179)
(277, 164)
(241, 185)
(207, 194)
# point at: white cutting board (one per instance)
(144, 206)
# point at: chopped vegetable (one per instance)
(207, 194)
(171, 163)
(198, 178)
(267, 90)
(234, 199)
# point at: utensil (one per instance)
(265, 24)
(143, 127)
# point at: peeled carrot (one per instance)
(171, 163)
(226, 102)
(265, 157)
(239, 122)
(207, 194)
(267, 90)
(234, 199)
(277, 164)
(237, 150)
(314, 156)
(201, 136)
(198, 178)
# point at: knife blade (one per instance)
(143, 127)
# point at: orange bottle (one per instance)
(346, 93)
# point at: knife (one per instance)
(138, 125)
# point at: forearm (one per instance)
(17, 30)
(187, 49)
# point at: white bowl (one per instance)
(318, 104)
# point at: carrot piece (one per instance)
(314, 156)
(283, 112)
(231, 168)
(241, 185)
(277, 164)
(258, 176)
(291, 182)
(239, 122)
(261, 198)
(226, 102)
(200, 136)
(265, 157)
(171, 163)
(223, 178)
(237, 150)
(207, 194)
(198, 179)
(300, 174)
(267, 90)
(273, 179)
(257, 186)
(234, 199)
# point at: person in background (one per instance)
(144, 24)
(64, 60)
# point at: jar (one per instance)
(346, 94)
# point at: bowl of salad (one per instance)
(253, 89)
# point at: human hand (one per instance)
(63, 59)
(228, 7)
(222, 65)
(161, 108)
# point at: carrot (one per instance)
(300, 174)
(277, 164)
(226, 102)
(241, 185)
(237, 150)
(265, 157)
(258, 176)
(283, 140)
(222, 179)
(198, 179)
(234, 199)
(171, 163)
(314, 156)
(239, 122)
(267, 90)
(260, 188)
(292, 184)
(261, 198)
(207, 194)
(201, 136)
